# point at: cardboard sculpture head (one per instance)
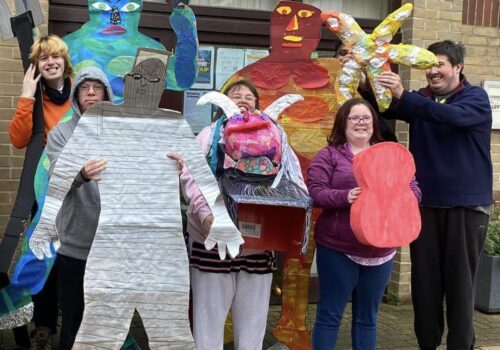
(114, 17)
(295, 29)
(145, 83)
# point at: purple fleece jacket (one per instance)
(330, 178)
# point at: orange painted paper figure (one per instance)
(295, 34)
(386, 214)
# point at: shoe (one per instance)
(41, 339)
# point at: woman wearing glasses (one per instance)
(346, 268)
(241, 284)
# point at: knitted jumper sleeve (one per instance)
(21, 125)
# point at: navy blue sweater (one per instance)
(450, 143)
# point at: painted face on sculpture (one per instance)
(114, 17)
(252, 135)
(295, 26)
(145, 83)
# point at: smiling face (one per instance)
(444, 78)
(243, 97)
(51, 66)
(114, 17)
(295, 29)
(359, 127)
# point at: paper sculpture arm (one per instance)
(62, 175)
(223, 232)
(182, 66)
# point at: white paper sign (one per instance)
(493, 90)
(197, 116)
(229, 61)
(253, 55)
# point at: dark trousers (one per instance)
(45, 303)
(445, 259)
(70, 279)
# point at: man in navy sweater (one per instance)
(450, 132)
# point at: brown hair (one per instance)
(338, 136)
(235, 86)
(54, 46)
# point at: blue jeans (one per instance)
(339, 279)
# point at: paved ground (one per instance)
(395, 330)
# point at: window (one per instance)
(369, 9)
(264, 5)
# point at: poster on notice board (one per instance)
(205, 79)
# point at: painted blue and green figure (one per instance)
(111, 37)
(30, 274)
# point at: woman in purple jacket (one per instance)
(346, 268)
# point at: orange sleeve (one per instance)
(21, 125)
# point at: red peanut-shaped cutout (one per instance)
(386, 213)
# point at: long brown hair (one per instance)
(338, 136)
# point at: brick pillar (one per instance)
(11, 159)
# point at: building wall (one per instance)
(436, 20)
(11, 159)
(432, 20)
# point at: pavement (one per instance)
(395, 330)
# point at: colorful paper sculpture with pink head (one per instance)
(374, 52)
(252, 135)
(253, 141)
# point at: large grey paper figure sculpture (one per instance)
(138, 259)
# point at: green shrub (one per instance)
(492, 243)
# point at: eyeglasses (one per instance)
(356, 119)
(246, 98)
(86, 87)
(137, 76)
(342, 52)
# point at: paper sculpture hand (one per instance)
(374, 52)
(386, 214)
(223, 238)
(43, 237)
